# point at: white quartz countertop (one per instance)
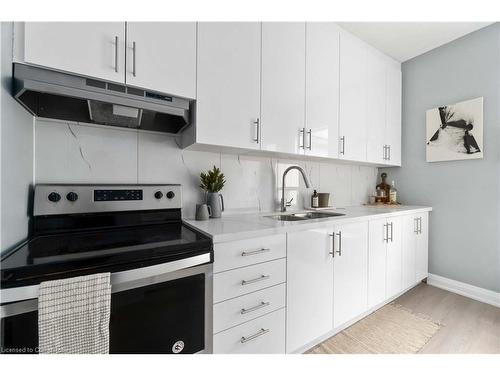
(232, 227)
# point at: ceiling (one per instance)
(405, 40)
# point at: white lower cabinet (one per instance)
(422, 246)
(350, 271)
(409, 250)
(377, 265)
(234, 283)
(385, 260)
(309, 286)
(264, 335)
(415, 251)
(241, 309)
(394, 283)
(249, 295)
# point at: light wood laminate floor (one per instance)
(469, 326)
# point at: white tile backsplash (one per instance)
(81, 153)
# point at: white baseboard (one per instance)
(467, 290)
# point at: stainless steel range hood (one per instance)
(51, 94)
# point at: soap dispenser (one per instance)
(315, 200)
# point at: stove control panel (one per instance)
(118, 195)
(68, 199)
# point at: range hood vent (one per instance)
(55, 95)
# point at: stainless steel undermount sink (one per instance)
(304, 216)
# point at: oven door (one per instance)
(152, 312)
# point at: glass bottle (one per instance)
(385, 187)
(393, 194)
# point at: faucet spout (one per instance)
(304, 176)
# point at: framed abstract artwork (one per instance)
(455, 131)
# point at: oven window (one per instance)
(168, 317)
(20, 334)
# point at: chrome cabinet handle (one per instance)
(257, 129)
(342, 149)
(332, 253)
(255, 252)
(420, 225)
(340, 243)
(303, 137)
(133, 58)
(392, 231)
(388, 152)
(415, 226)
(251, 309)
(256, 280)
(116, 54)
(386, 230)
(254, 336)
(309, 147)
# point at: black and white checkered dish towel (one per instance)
(73, 315)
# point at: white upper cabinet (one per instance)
(353, 98)
(309, 286)
(393, 113)
(161, 56)
(322, 89)
(228, 100)
(94, 49)
(350, 272)
(376, 105)
(283, 86)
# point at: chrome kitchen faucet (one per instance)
(304, 176)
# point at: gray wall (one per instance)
(16, 134)
(465, 223)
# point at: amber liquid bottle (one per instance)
(385, 187)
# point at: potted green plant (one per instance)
(212, 182)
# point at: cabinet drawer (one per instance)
(264, 335)
(246, 280)
(239, 310)
(234, 254)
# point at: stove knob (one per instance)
(170, 194)
(72, 196)
(158, 195)
(54, 197)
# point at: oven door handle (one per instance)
(31, 291)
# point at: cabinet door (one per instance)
(422, 248)
(377, 246)
(350, 272)
(283, 86)
(409, 227)
(375, 105)
(162, 56)
(309, 286)
(353, 117)
(393, 106)
(94, 49)
(228, 100)
(322, 89)
(394, 262)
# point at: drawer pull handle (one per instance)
(255, 252)
(251, 309)
(254, 336)
(257, 279)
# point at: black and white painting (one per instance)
(455, 131)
